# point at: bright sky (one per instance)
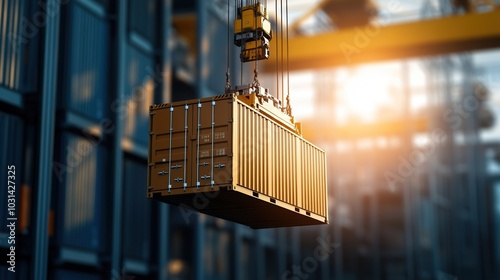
(373, 91)
(364, 93)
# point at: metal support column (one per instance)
(261, 256)
(166, 47)
(375, 219)
(281, 250)
(296, 250)
(452, 160)
(475, 177)
(47, 127)
(166, 96)
(199, 248)
(408, 198)
(325, 266)
(236, 258)
(337, 232)
(433, 71)
(116, 258)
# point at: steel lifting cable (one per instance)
(241, 30)
(282, 55)
(255, 72)
(277, 44)
(228, 62)
(288, 105)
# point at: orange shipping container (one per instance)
(236, 157)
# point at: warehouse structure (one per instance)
(413, 195)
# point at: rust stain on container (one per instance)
(236, 158)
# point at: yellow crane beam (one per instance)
(372, 43)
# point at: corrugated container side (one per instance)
(11, 153)
(139, 93)
(309, 181)
(191, 139)
(81, 223)
(311, 189)
(136, 212)
(301, 200)
(86, 82)
(19, 40)
(295, 167)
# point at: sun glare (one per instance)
(361, 95)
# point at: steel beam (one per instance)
(117, 207)
(45, 158)
(374, 43)
(166, 96)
